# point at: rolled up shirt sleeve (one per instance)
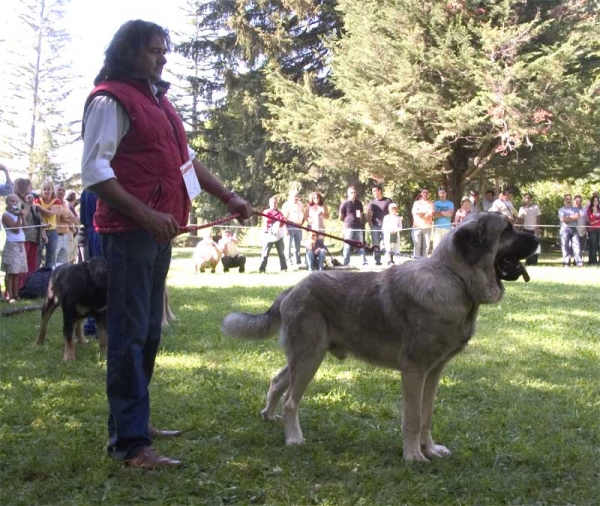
(106, 123)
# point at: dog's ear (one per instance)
(471, 239)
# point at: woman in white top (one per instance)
(316, 212)
(14, 260)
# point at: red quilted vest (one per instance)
(149, 156)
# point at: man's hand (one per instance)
(238, 205)
(162, 226)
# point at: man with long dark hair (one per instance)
(137, 160)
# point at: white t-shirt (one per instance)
(529, 215)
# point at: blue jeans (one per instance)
(354, 235)
(376, 240)
(569, 243)
(50, 259)
(315, 261)
(295, 236)
(137, 269)
(266, 249)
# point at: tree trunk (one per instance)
(456, 166)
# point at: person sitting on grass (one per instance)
(315, 252)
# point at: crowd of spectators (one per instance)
(431, 219)
(42, 229)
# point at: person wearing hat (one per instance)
(391, 228)
(463, 211)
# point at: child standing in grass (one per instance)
(14, 259)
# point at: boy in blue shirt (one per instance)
(443, 210)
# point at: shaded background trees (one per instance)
(456, 92)
(238, 41)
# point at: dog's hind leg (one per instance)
(430, 449)
(69, 324)
(303, 364)
(279, 385)
(50, 305)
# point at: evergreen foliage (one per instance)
(453, 92)
(38, 80)
(238, 40)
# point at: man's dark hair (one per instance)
(126, 45)
(379, 186)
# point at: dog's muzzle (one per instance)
(511, 270)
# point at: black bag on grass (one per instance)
(36, 285)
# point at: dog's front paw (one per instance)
(269, 416)
(437, 451)
(295, 440)
(414, 456)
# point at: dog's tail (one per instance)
(250, 326)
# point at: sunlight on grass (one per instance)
(518, 408)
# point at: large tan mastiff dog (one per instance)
(413, 318)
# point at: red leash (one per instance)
(193, 228)
(356, 244)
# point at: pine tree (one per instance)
(238, 40)
(39, 78)
(445, 90)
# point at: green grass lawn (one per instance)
(519, 409)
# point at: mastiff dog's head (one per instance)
(492, 250)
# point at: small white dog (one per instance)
(206, 254)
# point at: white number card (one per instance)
(191, 181)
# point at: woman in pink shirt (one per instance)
(593, 214)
